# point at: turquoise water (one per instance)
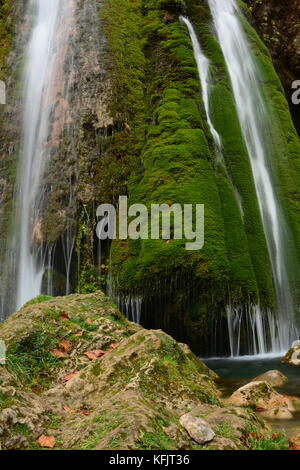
(236, 372)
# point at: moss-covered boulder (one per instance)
(275, 378)
(261, 396)
(79, 373)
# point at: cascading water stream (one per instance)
(45, 59)
(203, 65)
(253, 116)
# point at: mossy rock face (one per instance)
(131, 397)
(177, 164)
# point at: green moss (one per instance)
(30, 361)
(177, 167)
(104, 424)
(225, 429)
(155, 441)
(38, 300)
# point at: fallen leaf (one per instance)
(260, 410)
(79, 334)
(85, 413)
(57, 353)
(94, 354)
(69, 410)
(46, 441)
(66, 345)
(70, 376)
(88, 321)
(64, 315)
(113, 345)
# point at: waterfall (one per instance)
(203, 66)
(42, 84)
(253, 116)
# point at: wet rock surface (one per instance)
(79, 373)
(292, 357)
(275, 378)
(263, 398)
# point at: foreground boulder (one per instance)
(78, 375)
(292, 357)
(275, 378)
(197, 428)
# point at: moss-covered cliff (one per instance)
(182, 290)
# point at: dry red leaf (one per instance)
(70, 376)
(64, 315)
(69, 410)
(47, 441)
(65, 345)
(79, 334)
(57, 353)
(260, 410)
(113, 345)
(94, 354)
(85, 413)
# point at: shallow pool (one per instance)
(236, 372)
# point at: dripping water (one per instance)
(42, 82)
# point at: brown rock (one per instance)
(275, 378)
(197, 428)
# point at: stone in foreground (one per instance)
(260, 395)
(197, 428)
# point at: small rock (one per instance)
(197, 428)
(277, 413)
(223, 443)
(275, 378)
(292, 357)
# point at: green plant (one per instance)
(255, 440)
(31, 362)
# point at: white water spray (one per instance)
(253, 116)
(203, 66)
(45, 60)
